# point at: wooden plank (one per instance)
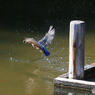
(76, 61)
(76, 49)
(71, 91)
(74, 83)
(63, 80)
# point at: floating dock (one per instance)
(78, 76)
(87, 83)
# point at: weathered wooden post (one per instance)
(79, 76)
(76, 49)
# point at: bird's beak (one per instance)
(24, 41)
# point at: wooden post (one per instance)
(76, 49)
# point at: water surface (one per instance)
(26, 71)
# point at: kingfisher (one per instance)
(45, 41)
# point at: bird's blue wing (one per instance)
(47, 39)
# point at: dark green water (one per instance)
(25, 71)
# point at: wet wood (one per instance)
(71, 91)
(74, 83)
(86, 83)
(76, 49)
(78, 75)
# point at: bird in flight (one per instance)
(45, 41)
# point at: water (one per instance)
(26, 71)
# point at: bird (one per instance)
(45, 41)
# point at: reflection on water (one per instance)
(30, 86)
(26, 71)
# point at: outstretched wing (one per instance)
(47, 39)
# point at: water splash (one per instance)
(16, 60)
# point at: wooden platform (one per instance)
(78, 77)
(71, 91)
(87, 83)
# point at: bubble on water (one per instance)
(62, 69)
(12, 50)
(48, 60)
(51, 49)
(28, 61)
(17, 33)
(12, 45)
(60, 57)
(51, 66)
(34, 72)
(46, 65)
(11, 58)
(88, 59)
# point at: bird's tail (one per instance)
(46, 52)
